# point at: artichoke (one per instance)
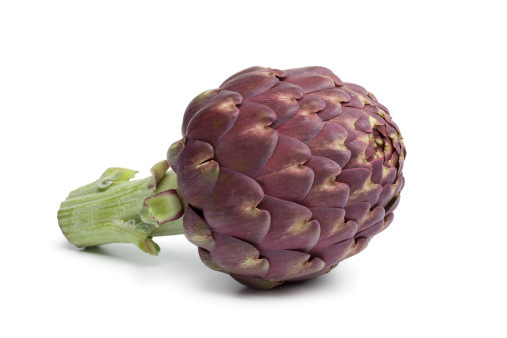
(279, 176)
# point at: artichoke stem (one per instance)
(114, 209)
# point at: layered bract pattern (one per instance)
(286, 173)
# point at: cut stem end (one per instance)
(114, 209)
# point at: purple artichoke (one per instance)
(281, 175)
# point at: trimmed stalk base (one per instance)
(116, 210)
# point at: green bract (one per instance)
(279, 176)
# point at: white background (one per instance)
(85, 85)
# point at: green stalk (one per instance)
(114, 209)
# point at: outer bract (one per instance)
(286, 173)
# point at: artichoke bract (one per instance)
(279, 176)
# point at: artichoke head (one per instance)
(286, 173)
